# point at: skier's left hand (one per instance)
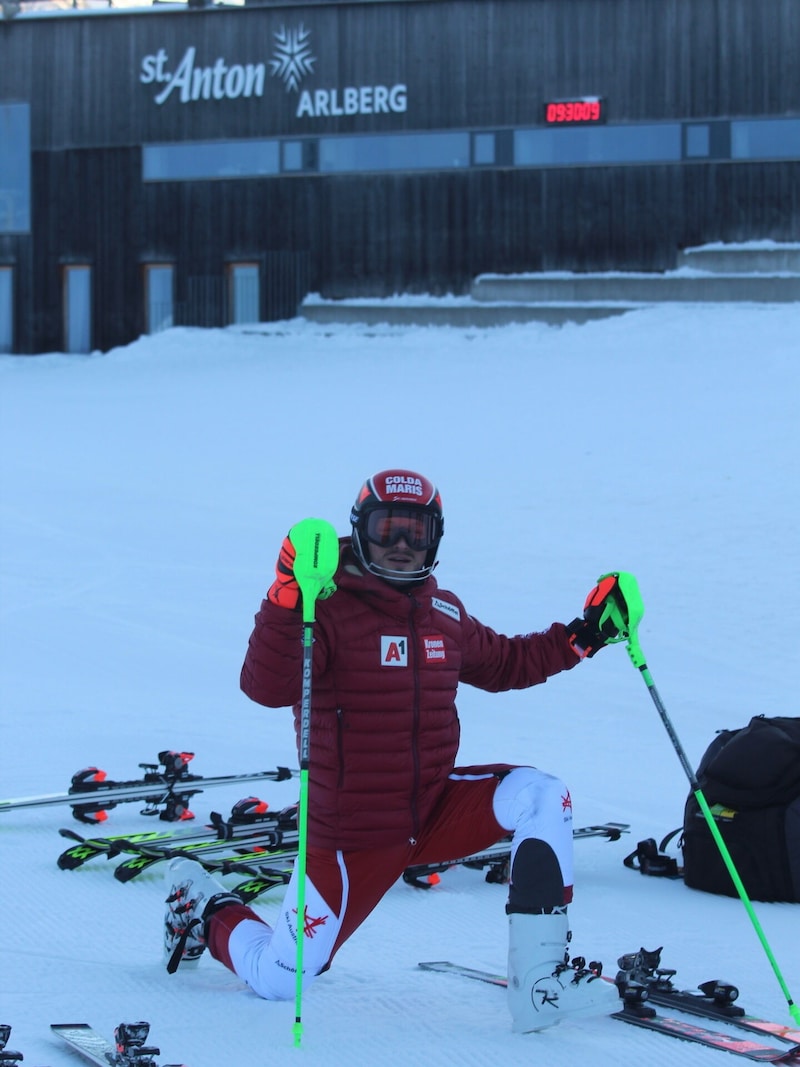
(300, 554)
(284, 591)
(604, 608)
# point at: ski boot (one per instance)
(543, 986)
(192, 899)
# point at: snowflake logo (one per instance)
(310, 924)
(293, 58)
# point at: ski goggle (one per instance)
(386, 526)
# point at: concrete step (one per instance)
(463, 314)
(637, 288)
(755, 272)
(766, 257)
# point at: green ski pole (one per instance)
(316, 559)
(627, 613)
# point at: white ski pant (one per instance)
(479, 807)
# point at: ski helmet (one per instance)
(392, 504)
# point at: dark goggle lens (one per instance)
(386, 526)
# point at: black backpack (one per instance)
(751, 780)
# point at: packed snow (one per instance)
(144, 496)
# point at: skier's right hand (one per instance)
(604, 615)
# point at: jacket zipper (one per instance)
(412, 652)
(340, 744)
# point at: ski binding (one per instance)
(129, 1048)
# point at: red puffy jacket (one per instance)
(384, 725)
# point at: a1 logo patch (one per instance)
(394, 651)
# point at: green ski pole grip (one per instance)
(316, 546)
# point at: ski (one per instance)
(129, 1048)
(252, 888)
(249, 818)
(638, 1014)
(446, 967)
(165, 787)
(700, 1035)
(253, 864)
(610, 830)
(711, 1000)
(254, 849)
(496, 857)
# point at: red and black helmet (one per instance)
(392, 504)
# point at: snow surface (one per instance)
(144, 497)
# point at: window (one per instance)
(626, 144)
(243, 292)
(210, 159)
(6, 309)
(598, 145)
(293, 155)
(766, 139)
(15, 168)
(78, 309)
(298, 157)
(698, 141)
(158, 297)
(399, 151)
(483, 149)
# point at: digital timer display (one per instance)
(588, 109)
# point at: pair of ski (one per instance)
(165, 787)
(641, 987)
(264, 840)
(250, 824)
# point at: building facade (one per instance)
(181, 165)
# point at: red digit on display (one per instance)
(572, 111)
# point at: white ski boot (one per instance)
(190, 890)
(543, 988)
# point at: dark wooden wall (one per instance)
(467, 63)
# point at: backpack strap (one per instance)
(649, 858)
